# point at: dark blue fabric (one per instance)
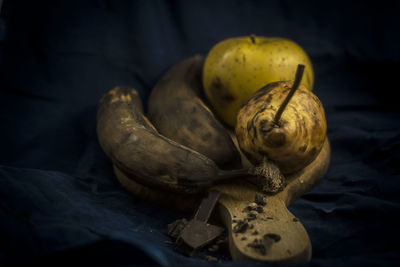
(59, 201)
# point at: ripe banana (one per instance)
(142, 154)
(176, 110)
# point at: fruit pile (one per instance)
(180, 146)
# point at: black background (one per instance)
(59, 202)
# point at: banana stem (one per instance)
(267, 177)
(244, 172)
(231, 174)
(296, 83)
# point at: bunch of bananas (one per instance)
(183, 149)
(180, 146)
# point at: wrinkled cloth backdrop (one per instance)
(59, 200)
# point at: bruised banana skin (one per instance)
(176, 110)
(142, 154)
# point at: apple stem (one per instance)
(296, 83)
(253, 38)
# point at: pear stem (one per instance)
(296, 83)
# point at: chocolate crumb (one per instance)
(260, 209)
(210, 258)
(221, 240)
(263, 245)
(274, 237)
(258, 245)
(252, 206)
(243, 238)
(255, 232)
(222, 243)
(241, 226)
(175, 228)
(260, 199)
(213, 248)
(252, 215)
(295, 219)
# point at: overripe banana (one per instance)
(142, 154)
(177, 111)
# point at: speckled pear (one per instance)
(291, 139)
